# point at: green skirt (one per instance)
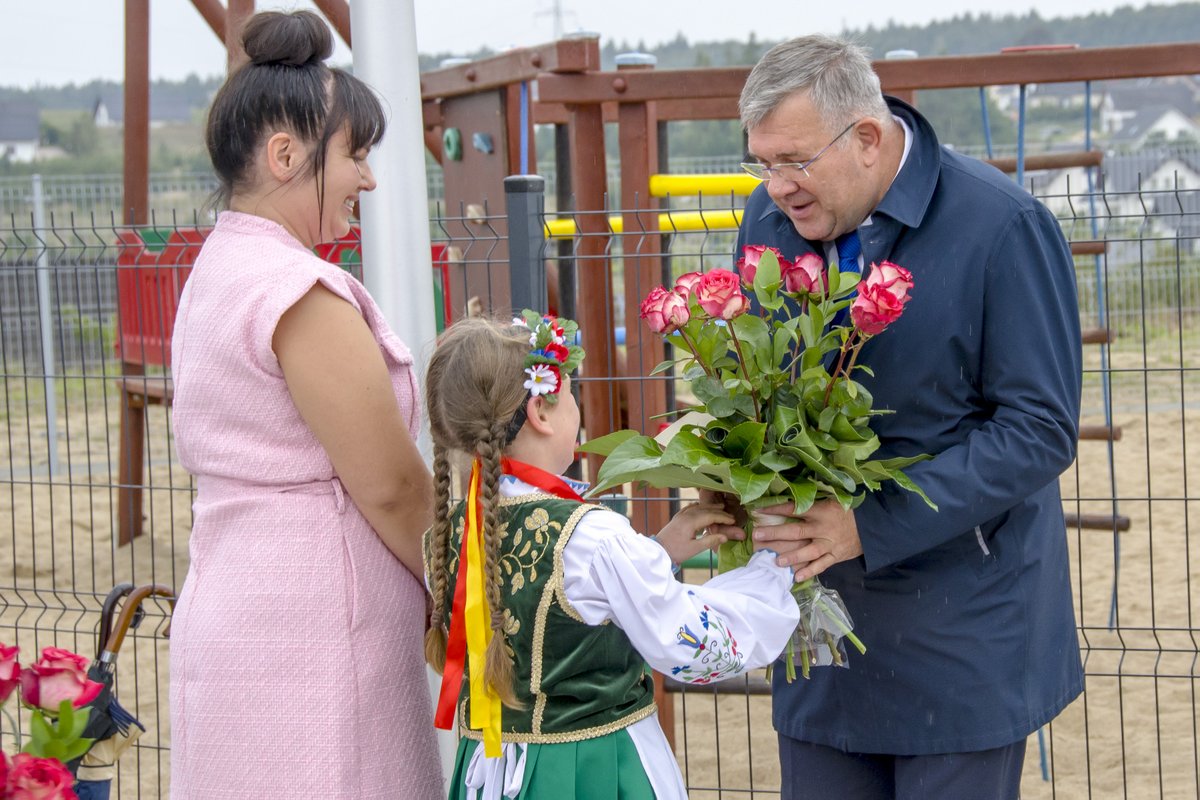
(605, 768)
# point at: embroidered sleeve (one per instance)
(699, 634)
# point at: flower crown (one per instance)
(553, 354)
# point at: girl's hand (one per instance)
(687, 533)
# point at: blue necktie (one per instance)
(848, 248)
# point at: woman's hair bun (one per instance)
(292, 39)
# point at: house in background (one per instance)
(20, 130)
(109, 110)
(1155, 124)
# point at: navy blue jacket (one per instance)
(966, 612)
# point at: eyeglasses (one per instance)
(795, 171)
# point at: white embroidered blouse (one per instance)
(735, 622)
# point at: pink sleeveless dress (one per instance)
(296, 654)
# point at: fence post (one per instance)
(45, 320)
(525, 198)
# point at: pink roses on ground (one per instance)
(665, 311)
(58, 675)
(10, 670)
(32, 778)
(881, 297)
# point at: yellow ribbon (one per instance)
(485, 703)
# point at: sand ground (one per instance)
(1133, 734)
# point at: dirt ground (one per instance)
(1132, 735)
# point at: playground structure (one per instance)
(601, 251)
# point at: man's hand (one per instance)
(824, 535)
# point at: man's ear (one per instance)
(868, 135)
(285, 156)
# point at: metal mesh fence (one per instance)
(62, 443)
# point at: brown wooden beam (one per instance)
(1040, 66)
(897, 76)
(567, 55)
(1089, 247)
(636, 87)
(235, 19)
(673, 110)
(1098, 522)
(214, 14)
(338, 14)
(136, 201)
(1098, 336)
(1080, 158)
(593, 272)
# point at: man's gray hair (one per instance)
(836, 73)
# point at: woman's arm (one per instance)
(340, 384)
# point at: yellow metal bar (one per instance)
(668, 222)
(740, 185)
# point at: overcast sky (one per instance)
(54, 42)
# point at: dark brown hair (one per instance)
(286, 86)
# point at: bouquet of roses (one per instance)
(780, 418)
(59, 692)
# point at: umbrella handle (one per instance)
(125, 620)
(106, 614)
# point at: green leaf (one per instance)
(664, 366)
(749, 485)
(795, 440)
(755, 335)
(804, 494)
(72, 730)
(846, 432)
(777, 461)
(604, 445)
(76, 749)
(40, 733)
(905, 482)
(745, 442)
(55, 749)
(687, 449)
(743, 404)
(835, 477)
(716, 433)
(626, 461)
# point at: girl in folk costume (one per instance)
(547, 608)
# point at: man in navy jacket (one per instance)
(966, 612)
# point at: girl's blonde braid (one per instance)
(439, 547)
(499, 661)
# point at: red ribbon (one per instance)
(535, 476)
(456, 644)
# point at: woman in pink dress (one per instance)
(296, 655)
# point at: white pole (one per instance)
(397, 265)
(45, 321)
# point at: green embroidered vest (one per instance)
(574, 681)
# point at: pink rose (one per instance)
(720, 295)
(806, 275)
(747, 265)
(685, 284)
(664, 311)
(58, 675)
(33, 778)
(881, 297)
(10, 671)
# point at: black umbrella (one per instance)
(112, 727)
